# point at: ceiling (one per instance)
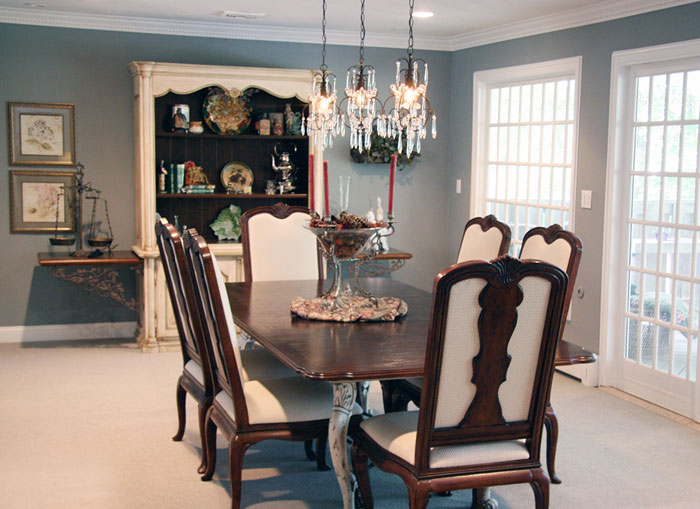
(456, 24)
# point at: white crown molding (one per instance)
(597, 13)
(612, 9)
(34, 333)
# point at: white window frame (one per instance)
(566, 68)
(624, 64)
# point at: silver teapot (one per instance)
(286, 171)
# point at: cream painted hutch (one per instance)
(157, 86)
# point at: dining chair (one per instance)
(196, 375)
(247, 411)
(489, 364)
(484, 238)
(563, 249)
(277, 247)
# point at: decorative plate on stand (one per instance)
(238, 173)
(226, 114)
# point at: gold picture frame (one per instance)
(42, 201)
(41, 134)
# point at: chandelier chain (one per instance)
(362, 32)
(324, 67)
(410, 29)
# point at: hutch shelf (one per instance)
(157, 88)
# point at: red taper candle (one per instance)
(312, 203)
(392, 177)
(326, 196)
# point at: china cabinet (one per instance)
(264, 94)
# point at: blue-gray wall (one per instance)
(595, 43)
(88, 69)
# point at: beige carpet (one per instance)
(88, 425)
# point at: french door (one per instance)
(660, 280)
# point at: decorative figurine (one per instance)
(284, 168)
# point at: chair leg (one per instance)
(360, 466)
(418, 495)
(540, 487)
(552, 426)
(321, 446)
(387, 395)
(309, 450)
(180, 395)
(210, 439)
(236, 451)
(202, 415)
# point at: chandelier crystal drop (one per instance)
(408, 119)
(323, 121)
(361, 96)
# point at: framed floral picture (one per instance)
(42, 201)
(42, 134)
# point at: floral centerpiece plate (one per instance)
(226, 114)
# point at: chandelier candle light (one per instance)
(361, 94)
(408, 118)
(323, 119)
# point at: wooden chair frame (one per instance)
(239, 432)
(483, 421)
(567, 354)
(189, 327)
(397, 394)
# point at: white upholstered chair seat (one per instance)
(195, 369)
(396, 432)
(259, 363)
(292, 399)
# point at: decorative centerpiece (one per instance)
(348, 239)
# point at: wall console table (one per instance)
(94, 275)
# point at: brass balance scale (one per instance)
(97, 237)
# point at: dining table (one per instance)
(342, 353)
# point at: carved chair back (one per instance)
(484, 238)
(489, 360)
(277, 247)
(557, 246)
(181, 290)
(217, 323)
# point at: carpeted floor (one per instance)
(88, 425)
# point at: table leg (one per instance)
(344, 394)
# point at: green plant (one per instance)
(381, 150)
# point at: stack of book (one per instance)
(198, 189)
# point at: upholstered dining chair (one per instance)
(489, 364)
(484, 238)
(247, 411)
(196, 375)
(563, 249)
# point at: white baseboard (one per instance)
(34, 333)
(587, 373)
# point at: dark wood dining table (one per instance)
(341, 353)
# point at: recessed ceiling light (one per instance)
(423, 14)
(34, 5)
(243, 15)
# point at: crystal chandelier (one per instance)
(408, 118)
(323, 120)
(361, 96)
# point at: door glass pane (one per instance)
(690, 148)
(673, 142)
(641, 110)
(651, 245)
(637, 198)
(633, 284)
(692, 99)
(635, 247)
(684, 253)
(653, 198)
(656, 148)
(631, 339)
(663, 347)
(670, 196)
(649, 300)
(647, 343)
(675, 96)
(686, 207)
(640, 148)
(658, 97)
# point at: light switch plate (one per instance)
(586, 198)
(458, 187)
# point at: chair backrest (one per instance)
(490, 355)
(216, 319)
(182, 298)
(277, 247)
(557, 246)
(484, 238)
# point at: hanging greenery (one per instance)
(381, 151)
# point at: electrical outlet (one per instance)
(458, 187)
